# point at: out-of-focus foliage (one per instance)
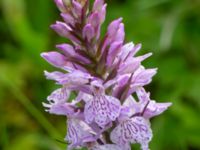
(169, 28)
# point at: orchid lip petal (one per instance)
(102, 109)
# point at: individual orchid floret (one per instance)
(78, 133)
(128, 83)
(59, 95)
(144, 106)
(58, 103)
(152, 107)
(101, 108)
(103, 73)
(134, 130)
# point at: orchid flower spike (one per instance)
(103, 73)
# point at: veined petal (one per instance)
(78, 133)
(134, 130)
(102, 109)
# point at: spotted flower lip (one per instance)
(103, 72)
(102, 109)
(133, 130)
(78, 133)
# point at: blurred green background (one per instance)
(168, 28)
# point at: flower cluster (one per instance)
(103, 73)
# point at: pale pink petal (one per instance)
(134, 130)
(102, 109)
(78, 133)
(55, 58)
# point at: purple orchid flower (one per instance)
(78, 133)
(101, 108)
(103, 73)
(132, 130)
